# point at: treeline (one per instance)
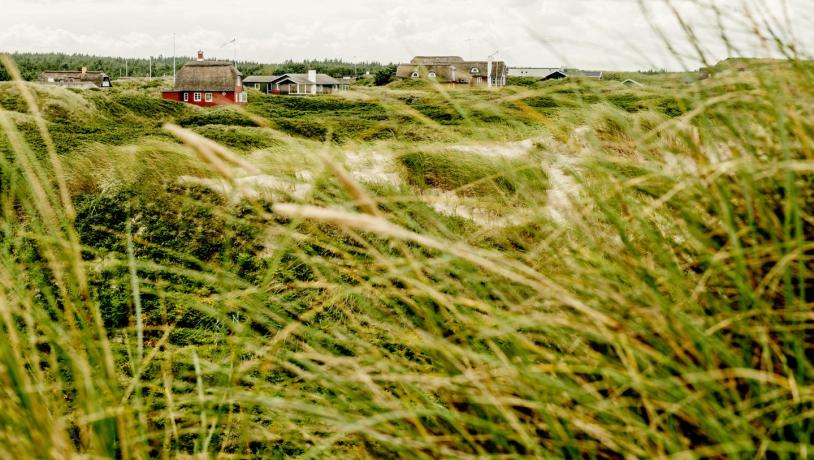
(31, 65)
(333, 67)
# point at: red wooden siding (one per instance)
(218, 97)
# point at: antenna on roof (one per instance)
(232, 42)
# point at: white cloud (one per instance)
(585, 33)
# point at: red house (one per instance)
(208, 83)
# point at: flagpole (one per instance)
(173, 59)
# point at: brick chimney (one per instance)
(200, 56)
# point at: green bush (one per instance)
(150, 107)
(470, 174)
(216, 116)
(238, 137)
(304, 128)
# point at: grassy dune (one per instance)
(568, 270)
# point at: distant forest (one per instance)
(32, 64)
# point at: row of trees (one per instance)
(31, 65)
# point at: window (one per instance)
(208, 97)
(186, 97)
(257, 86)
(196, 97)
(244, 97)
(474, 70)
(431, 75)
(414, 75)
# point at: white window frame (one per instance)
(431, 75)
(196, 97)
(186, 96)
(208, 97)
(257, 86)
(415, 75)
(474, 70)
(243, 97)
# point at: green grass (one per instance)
(383, 274)
(471, 174)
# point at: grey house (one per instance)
(297, 84)
(260, 82)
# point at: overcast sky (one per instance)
(590, 34)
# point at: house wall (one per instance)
(263, 87)
(291, 88)
(218, 98)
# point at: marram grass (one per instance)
(642, 289)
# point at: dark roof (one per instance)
(261, 78)
(548, 73)
(556, 75)
(534, 72)
(302, 79)
(207, 76)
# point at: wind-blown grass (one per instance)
(642, 288)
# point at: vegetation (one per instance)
(564, 269)
(31, 65)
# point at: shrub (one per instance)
(216, 116)
(470, 174)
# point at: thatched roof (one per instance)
(429, 60)
(207, 76)
(498, 67)
(73, 77)
(442, 72)
(461, 70)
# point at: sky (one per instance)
(588, 34)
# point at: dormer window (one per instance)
(474, 70)
(414, 75)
